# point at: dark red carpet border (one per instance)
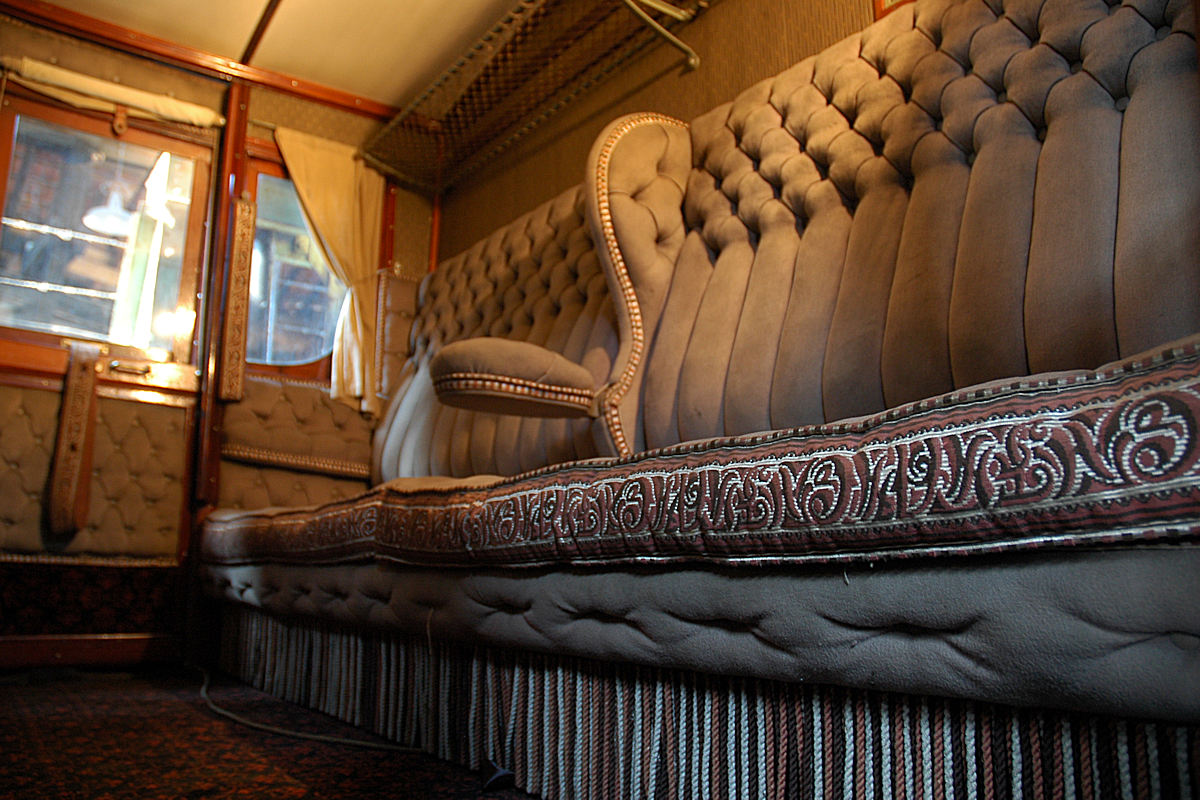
(148, 734)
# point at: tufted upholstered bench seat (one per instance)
(893, 482)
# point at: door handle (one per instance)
(129, 369)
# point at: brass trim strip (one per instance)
(276, 458)
(88, 560)
(233, 340)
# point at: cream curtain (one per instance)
(343, 199)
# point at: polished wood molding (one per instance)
(885, 7)
(232, 167)
(102, 649)
(260, 30)
(91, 29)
(435, 231)
(33, 359)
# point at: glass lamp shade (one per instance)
(110, 219)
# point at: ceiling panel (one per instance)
(222, 27)
(379, 49)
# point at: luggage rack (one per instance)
(533, 63)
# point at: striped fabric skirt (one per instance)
(574, 728)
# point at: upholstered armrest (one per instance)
(512, 377)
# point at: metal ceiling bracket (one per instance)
(663, 7)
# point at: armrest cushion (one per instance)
(511, 377)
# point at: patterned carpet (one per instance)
(97, 734)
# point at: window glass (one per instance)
(93, 238)
(294, 296)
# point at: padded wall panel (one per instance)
(916, 353)
(853, 381)
(397, 306)
(139, 489)
(138, 477)
(989, 274)
(248, 486)
(292, 423)
(1069, 293)
(30, 418)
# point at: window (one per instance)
(294, 296)
(98, 239)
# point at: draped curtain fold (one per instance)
(343, 199)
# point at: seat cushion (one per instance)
(1076, 458)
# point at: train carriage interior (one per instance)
(611, 398)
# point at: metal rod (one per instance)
(662, 7)
(693, 60)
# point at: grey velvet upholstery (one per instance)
(288, 443)
(829, 466)
(955, 630)
(963, 192)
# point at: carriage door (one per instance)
(101, 243)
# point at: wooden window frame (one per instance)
(177, 140)
(263, 158)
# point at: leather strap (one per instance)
(70, 478)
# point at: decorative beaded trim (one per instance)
(276, 458)
(637, 333)
(471, 382)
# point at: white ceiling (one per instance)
(383, 50)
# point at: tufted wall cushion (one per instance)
(397, 304)
(26, 449)
(245, 486)
(536, 280)
(137, 479)
(964, 191)
(295, 425)
(139, 469)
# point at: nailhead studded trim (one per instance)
(637, 332)
(470, 382)
(275, 458)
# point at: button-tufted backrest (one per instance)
(536, 280)
(966, 190)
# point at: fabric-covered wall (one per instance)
(734, 53)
